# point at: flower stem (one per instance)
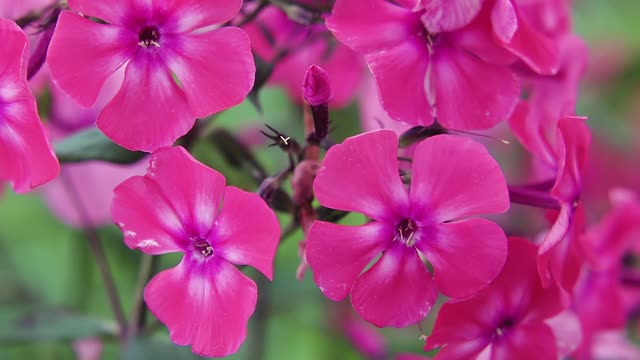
(136, 321)
(98, 253)
(529, 196)
(257, 350)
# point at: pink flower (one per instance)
(453, 180)
(602, 283)
(426, 66)
(177, 68)
(178, 207)
(563, 150)
(515, 317)
(26, 157)
(273, 32)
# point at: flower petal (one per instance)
(361, 174)
(526, 341)
(188, 15)
(150, 110)
(455, 177)
(533, 47)
(117, 12)
(466, 255)
(567, 331)
(246, 240)
(194, 190)
(572, 146)
(216, 68)
(26, 157)
(560, 229)
(397, 291)
(468, 93)
(83, 54)
(148, 221)
(400, 74)
(337, 254)
(353, 21)
(205, 305)
(445, 15)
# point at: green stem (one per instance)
(98, 253)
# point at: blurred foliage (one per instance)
(52, 292)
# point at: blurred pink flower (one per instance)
(26, 157)
(513, 318)
(453, 180)
(89, 348)
(177, 67)
(181, 205)
(16, 9)
(273, 32)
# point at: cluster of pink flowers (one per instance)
(149, 69)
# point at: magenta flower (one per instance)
(26, 157)
(273, 32)
(178, 207)
(453, 180)
(515, 317)
(562, 150)
(177, 67)
(427, 66)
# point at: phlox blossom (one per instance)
(562, 151)
(273, 33)
(429, 61)
(514, 317)
(26, 157)
(177, 67)
(453, 179)
(181, 205)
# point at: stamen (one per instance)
(205, 249)
(406, 232)
(149, 36)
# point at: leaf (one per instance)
(21, 323)
(92, 144)
(152, 349)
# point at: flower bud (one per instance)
(317, 86)
(317, 92)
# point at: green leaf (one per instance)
(152, 349)
(21, 323)
(92, 144)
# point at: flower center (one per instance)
(405, 232)
(204, 247)
(149, 36)
(504, 326)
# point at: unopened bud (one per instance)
(317, 92)
(317, 86)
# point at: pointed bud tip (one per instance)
(317, 86)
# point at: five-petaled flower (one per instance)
(177, 67)
(453, 180)
(181, 205)
(26, 157)
(515, 317)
